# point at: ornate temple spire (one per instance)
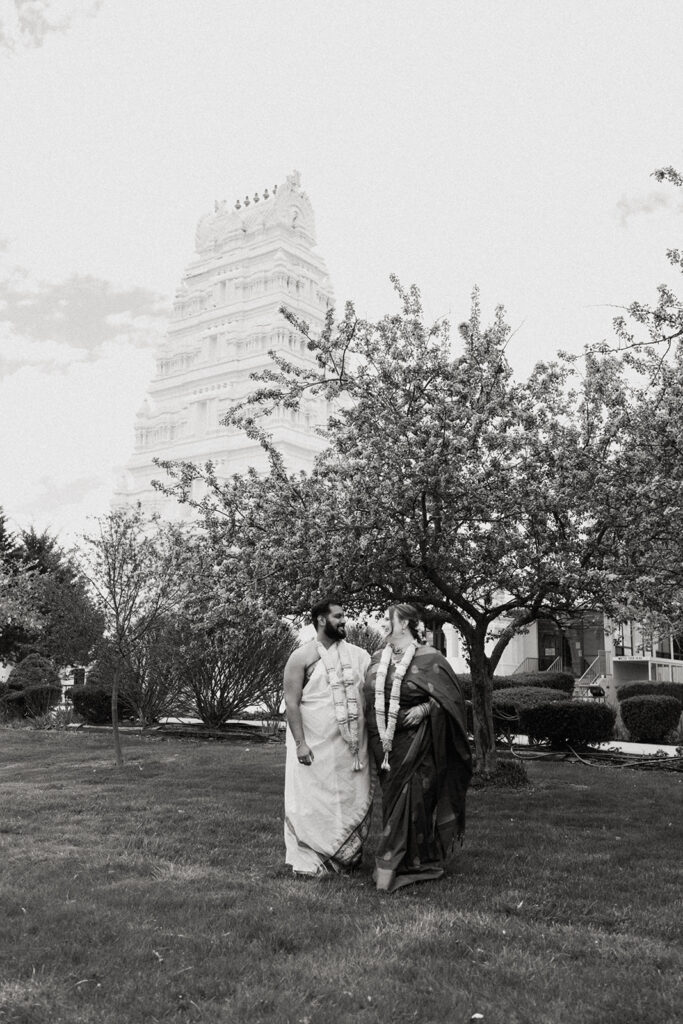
(286, 207)
(252, 257)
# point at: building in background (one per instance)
(601, 654)
(251, 258)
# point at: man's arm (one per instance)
(295, 672)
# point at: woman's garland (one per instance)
(386, 722)
(344, 696)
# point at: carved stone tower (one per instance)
(251, 259)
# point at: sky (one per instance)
(504, 144)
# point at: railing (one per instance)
(591, 674)
(533, 665)
(556, 666)
(528, 665)
(599, 666)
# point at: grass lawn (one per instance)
(158, 892)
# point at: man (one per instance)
(328, 797)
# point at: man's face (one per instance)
(335, 623)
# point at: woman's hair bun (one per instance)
(410, 614)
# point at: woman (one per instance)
(415, 716)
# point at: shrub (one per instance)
(508, 775)
(568, 723)
(508, 704)
(32, 689)
(43, 722)
(562, 681)
(465, 680)
(93, 703)
(674, 690)
(365, 635)
(236, 665)
(649, 719)
(60, 718)
(102, 673)
(150, 687)
(645, 688)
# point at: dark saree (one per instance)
(423, 793)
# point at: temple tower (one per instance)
(251, 259)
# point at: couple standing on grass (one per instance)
(405, 706)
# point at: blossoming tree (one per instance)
(489, 501)
(135, 572)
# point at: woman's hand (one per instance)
(304, 753)
(414, 716)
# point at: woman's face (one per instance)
(392, 626)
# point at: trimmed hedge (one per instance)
(508, 704)
(568, 723)
(92, 699)
(33, 688)
(562, 681)
(93, 703)
(648, 689)
(649, 719)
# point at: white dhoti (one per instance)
(327, 803)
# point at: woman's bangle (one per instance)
(299, 742)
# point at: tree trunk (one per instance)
(482, 712)
(115, 719)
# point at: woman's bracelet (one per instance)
(299, 742)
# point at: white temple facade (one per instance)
(251, 259)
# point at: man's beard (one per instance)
(334, 632)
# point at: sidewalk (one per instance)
(620, 746)
(647, 749)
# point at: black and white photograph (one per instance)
(341, 512)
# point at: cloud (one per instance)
(75, 359)
(24, 24)
(651, 203)
(63, 432)
(18, 351)
(55, 323)
(51, 495)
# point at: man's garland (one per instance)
(386, 722)
(344, 695)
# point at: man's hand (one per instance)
(304, 754)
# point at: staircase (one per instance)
(531, 665)
(591, 685)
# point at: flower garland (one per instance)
(386, 721)
(344, 696)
